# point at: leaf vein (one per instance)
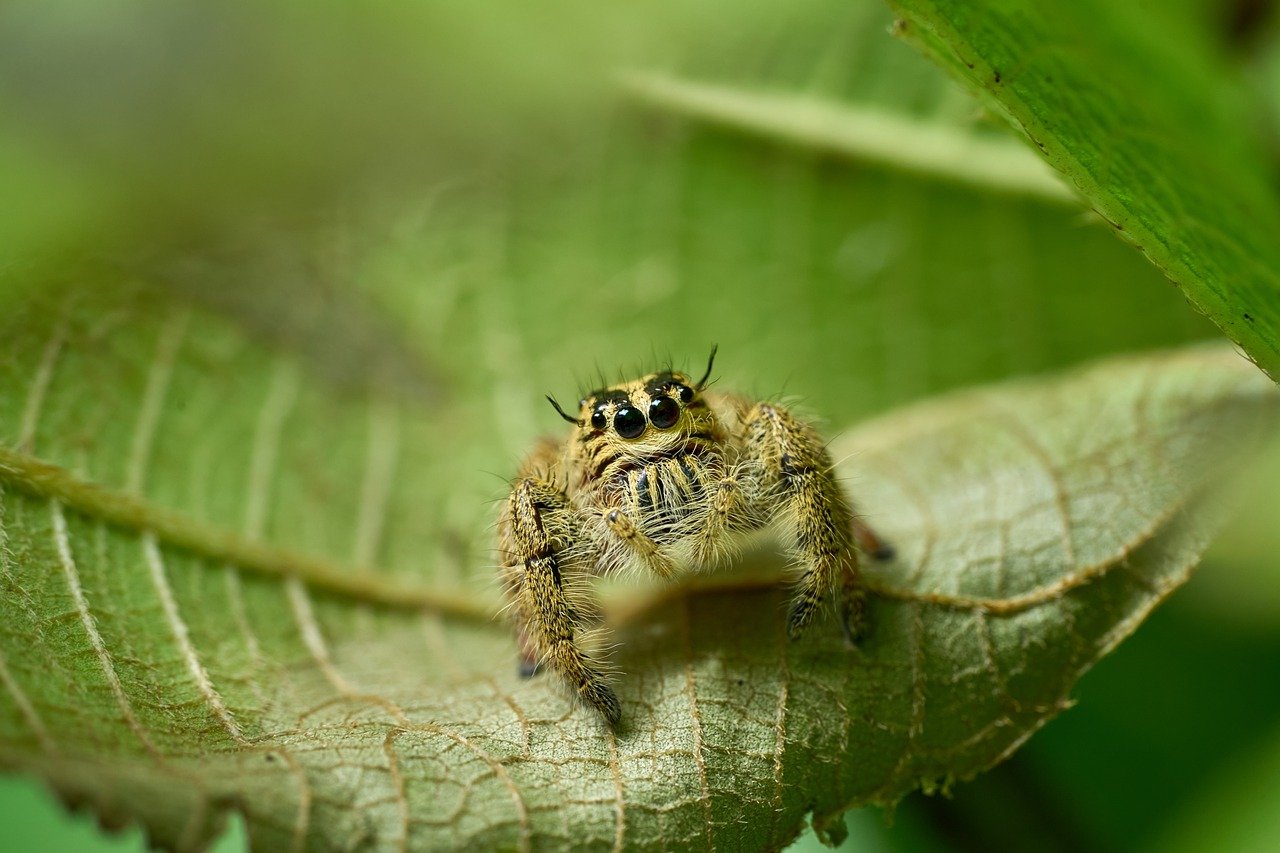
(302, 819)
(27, 710)
(39, 388)
(620, 799)
(62, 542)
(780, 727)
(159, 578)
(313, 639)
(517, 799)
(379, 476)
(397, 779)
(158, 378)
(691, 691)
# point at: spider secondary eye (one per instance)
(686, 394)
(629, 422)
(597, 419)
(664, 412)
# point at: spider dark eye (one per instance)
(664, 412)
(598, 419)
(686, 394)
(629, 422)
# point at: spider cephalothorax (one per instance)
(661, 476)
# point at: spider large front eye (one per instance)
(664, 412)
(629, 422)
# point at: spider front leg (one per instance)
(638, 544)
(796, 466)
(537, 526)
(726, 506)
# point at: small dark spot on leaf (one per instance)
(1248, 316)
(996, 77)
(741, 682)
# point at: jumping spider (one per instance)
(660, 476)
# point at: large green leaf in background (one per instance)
(343, 404)
(1175, 165)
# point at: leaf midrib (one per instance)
(124, 509)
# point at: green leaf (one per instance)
(168, 675)
(1142, 118)
(331, 402)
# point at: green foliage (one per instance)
(1175, 165)
(247, 464)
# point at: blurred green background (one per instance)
(150, 138)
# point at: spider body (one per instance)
(661, 476)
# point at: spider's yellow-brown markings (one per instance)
(661, 476)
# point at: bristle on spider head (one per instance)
(556, 406)
(702, 383)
